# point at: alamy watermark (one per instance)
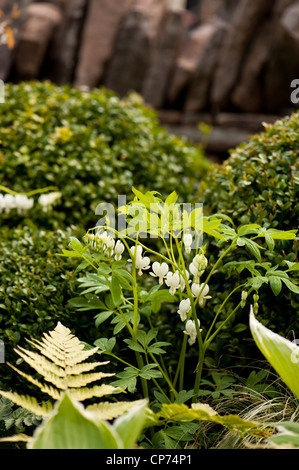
(2, 352)
(152, 220)
(295, 93)
(2, 92)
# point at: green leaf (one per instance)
(294, 267)
(115, 289)
(149, 372)
(171, 199)
(123, 279)
(276, 284)
(254, 248)
(134, 345)
(288, 435)
(211, 227)
(291, 286)
(104, 269)
(199, 411)
(105, 344)
(91, 302)
(257, 281)
(270, 242)
(130, 425)
(282, 354)
(282, 235)
(246, 229)
(240, 241)
(155, 348)
(103, 316)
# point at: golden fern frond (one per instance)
(82, 380)
(54, 354)
(16, 438)
(85, 367)
(66, 343)
(39, 363)
(60, 362)
(106, 410)
(27, 376)
(52, 392)
(63, 348)
(29, 403)
(98, 391)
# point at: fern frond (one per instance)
(85, 367)
(39, 363)
(98, 391)
(52, 392)
(16, 438)
(26, 376)
(106, 410)
(82, 380)
(76, 357)
(60, 361)
(63, 348)
(29, 403)
(52, 352)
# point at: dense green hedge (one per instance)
(260, 180)
(258, 184)
(36, 284)
(91, 146)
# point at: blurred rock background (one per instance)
(227, 63)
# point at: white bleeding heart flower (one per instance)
(160, 271)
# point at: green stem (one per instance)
(198, 374)
(182, 365)
(215, 266)
(164, 375)
(225, 321)
(220, 309)
(143, 381)
(121, 360)
(182, 358)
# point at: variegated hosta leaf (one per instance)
(199, 411)
(106, 410)
(29, 403)
(282, 354)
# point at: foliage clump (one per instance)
(36, 284)
(259, 181)
(258, 184)
(92, 146)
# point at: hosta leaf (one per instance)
(70, 426)
(130, 425)
(282, 354)
(287, 436)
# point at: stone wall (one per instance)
(216, 56)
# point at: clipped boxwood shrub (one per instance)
(92, 146)
(258, 184)
(260, 180)
(36, 284)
